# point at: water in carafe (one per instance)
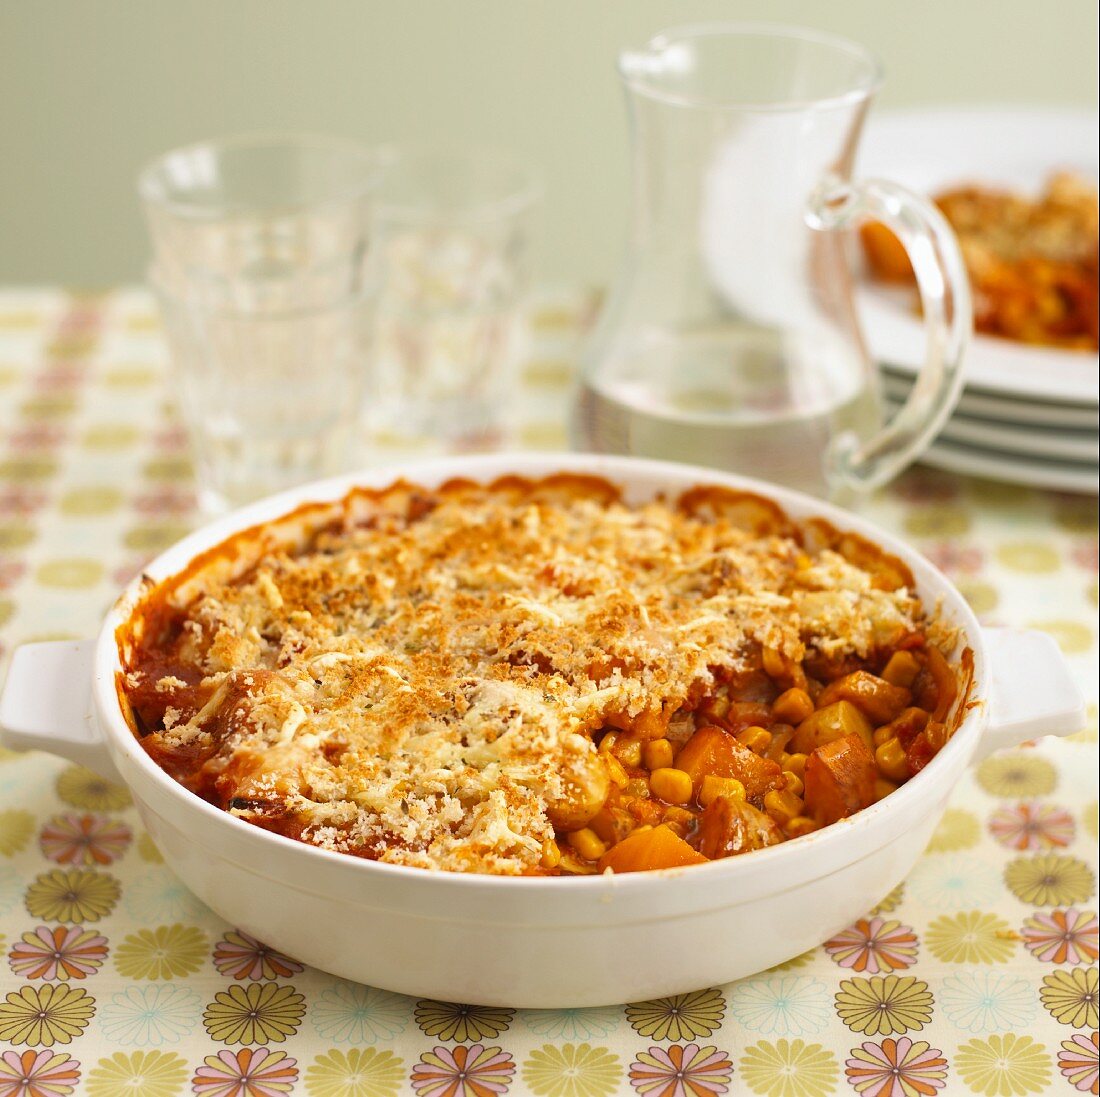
(731, 398)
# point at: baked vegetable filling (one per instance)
(540, 678)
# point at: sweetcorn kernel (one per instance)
(657, 754)
(796, 764)
(587, 843)
(775, 665)
(883, 734)
(615, 771)
(891, 761)
(671, 785)
(794, 783)
(713, 787)
(757, 739)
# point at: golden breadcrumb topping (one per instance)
(419, 680)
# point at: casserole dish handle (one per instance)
(47, 704)
(1031, 689)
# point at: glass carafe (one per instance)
(730, 338)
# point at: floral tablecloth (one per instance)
(977, 975)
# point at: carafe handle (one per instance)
(948, 320)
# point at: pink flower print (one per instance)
(63, 952)
(686, 1070)
(19, 502)
(250, 1072)
(896, 1068)
(1079, 1062)
(921, 485)
(1032, 827)
(171, 438)
(1062, 936)
(463, 1071)
(37, 1074)
(59, 377)
(240, 956)
(168, 499)
(956, 559)
(874, 945)
(1087, 555)
(75, 839)
(35, 437)
(11, 571)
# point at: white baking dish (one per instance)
(536, 942)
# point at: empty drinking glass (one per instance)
(455, 242)
(263, 263)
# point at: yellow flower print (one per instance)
(1070, 997)
(1033, 557)
(16, 828)
(139, 1074)
(258, 1013)
(110, 436)
(937, 520)
(15, 535)
(69, 574)
(165, 952)
(360, 1072)
(72, 895)
(1049, 880)
(42, 1016)
(1091, 818)
(972, 937)
(982, 596)
(1017, 775)
(1004, 1066)
(89, 501)
(884, 1005)
(789, 1068)
(958, 829)
(148, 851)
(572, 1070)
(82, 788)
(795, 962)
(891, 902)
(1071, 636)
(680, 1017)
(461, 1023)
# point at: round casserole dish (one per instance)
(545, 942)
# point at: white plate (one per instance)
(1030, 471)
(1017, 147)
(1006, 409)
(1026, 440)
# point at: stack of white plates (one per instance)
(1028, 414)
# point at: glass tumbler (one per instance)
(263, 263)
(730, 338)
(454, 229)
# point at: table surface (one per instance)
(978, 974)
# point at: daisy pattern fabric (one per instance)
(977, 976)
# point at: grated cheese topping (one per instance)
(420, 683)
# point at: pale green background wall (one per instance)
(91, 89)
